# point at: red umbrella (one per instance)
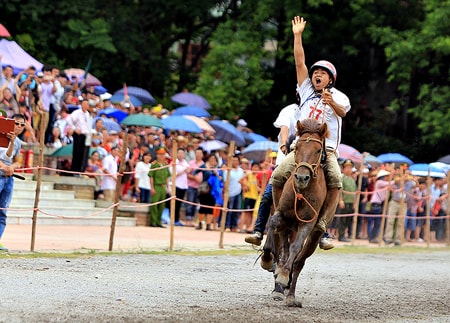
(4, 32)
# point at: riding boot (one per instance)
(328, 209)
(199, 226)
(208, 227)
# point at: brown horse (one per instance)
(292, 236)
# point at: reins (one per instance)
(313, 169)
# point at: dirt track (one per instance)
(335, 287)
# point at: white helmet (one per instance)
(326, 65)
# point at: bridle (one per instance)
(311, 167)
(313, 170)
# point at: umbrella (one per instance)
(4, 32)
(143, 95)
(191, 110)
(443, 166)
(445, 159)
(117, 114)
(394, 158)
(348, 152)
(371, 159)
(187, 98)
(226, 132)
(143, 120)
(180, 123)
(72, 107)
(202, 123)
(257, 150)
(425, 169)
(99, 90)
(66, 151)
(91, 80)
(255, 137)
(119, 97)
(211, 145)
(109, 124)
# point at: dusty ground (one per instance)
(335, 287)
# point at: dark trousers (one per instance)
(80, 153)
(179, 193)
(345, 221)
(51, 122)
(264, 209)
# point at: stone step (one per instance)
(31, 185)
(45, 201)
(57, 194)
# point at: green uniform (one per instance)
(160, 177)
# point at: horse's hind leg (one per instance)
(308, 249)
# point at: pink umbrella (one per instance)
(91, 80)
(348, 152)
(4, 32)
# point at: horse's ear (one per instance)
(323, 130)
(299, 127)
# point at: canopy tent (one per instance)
(15, 56)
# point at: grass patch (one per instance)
(239, 251)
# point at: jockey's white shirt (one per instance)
(311, 107)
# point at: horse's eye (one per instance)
(319, 150)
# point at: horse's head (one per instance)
(308, 151)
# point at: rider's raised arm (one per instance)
(298, 25)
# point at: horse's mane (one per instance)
(310, 125)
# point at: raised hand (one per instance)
(298, 25)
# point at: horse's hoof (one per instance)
(282, 279)
(292, 302)
(267, 264)
(277, 296)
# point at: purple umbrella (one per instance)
(143, 95)
(226, 132)
(187, 98)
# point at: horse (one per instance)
(292, 236)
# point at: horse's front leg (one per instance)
(308, 249)
(270, 249)
(296, 244)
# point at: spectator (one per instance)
(347, 201)
(80, 121)
(9, 161)
(235, 194)
(438, 209)
(181, 182)
(250, 190)
(159, 180)
(193, 183)
(142, 179)
(94, 170)
(376, 206)
(110, 167)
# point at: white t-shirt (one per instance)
(141, 174)
(181, 181)
(310, 107)
(110, 164)
(288, 117)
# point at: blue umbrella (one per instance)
(99, 90)
(118, 97)
(187, 98)
(255, 137)
(119, 115)
(394, 158)
(109, 124)
(72, 107)
(143, 95)
(423, 169)
(180, 123)
(257, 150)
(191, 111)
(226, 132)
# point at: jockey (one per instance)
(319, 99)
